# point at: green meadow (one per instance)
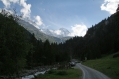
(107, 65)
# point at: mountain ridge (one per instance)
(60, 33)
(39, 34)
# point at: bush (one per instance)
(116, 55)
(51, 71)
(62, 73)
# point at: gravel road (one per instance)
(89, 73)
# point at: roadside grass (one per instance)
(107, 65)
(61, 74)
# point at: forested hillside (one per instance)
(101, 39)
(20, 49)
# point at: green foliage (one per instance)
(13, 45)
(62, 74)
(52, 71)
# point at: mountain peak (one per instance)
(43, 34)
(62, 32)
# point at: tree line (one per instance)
(101, 39)
(20, 49)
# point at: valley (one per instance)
(23, 46)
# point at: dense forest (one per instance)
(100, 40)
(20, 49)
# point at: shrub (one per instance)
(51, 71)
(116, 55)
(62, 73)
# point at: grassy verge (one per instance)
(107, 65)
(61, 74)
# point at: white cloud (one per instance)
(58, 32)
(78, 30)
(26, 10)
(38, 20)
(0, 9)
(110, 6)
(6, 3)
(14, 1)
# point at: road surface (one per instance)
(89, 73)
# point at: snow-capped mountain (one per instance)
(43, 34)
(62, 32)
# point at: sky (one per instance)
(74, 15)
